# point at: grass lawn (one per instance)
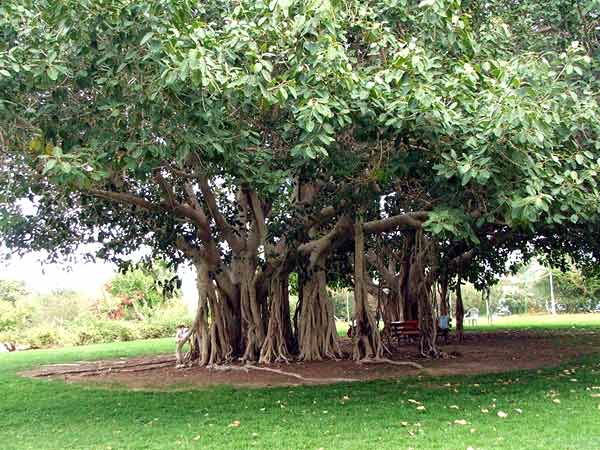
(539, 322)
(549, 409)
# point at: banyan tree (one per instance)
(255, 140)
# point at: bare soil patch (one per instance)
(480, 353)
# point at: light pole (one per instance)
(552, 301)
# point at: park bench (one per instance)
(409, 329)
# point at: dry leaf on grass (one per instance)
(460, 422)
(502, 414)
(235, 424)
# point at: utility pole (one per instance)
(552, 301)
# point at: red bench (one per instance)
(410, 329)
(407, 328)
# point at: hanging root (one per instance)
(367, 341)
(421, 278)
(277, 346)
(317, 332)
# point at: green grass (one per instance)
(539, 322)
(42, 414)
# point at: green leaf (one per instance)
(147, 37)
(50, 165)
(52, 73)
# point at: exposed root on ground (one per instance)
(392, 362)
(99, 367)
(247, 367)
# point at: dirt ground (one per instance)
(480, 353)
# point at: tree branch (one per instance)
(390, 278)
(227, 230)
(412, 220)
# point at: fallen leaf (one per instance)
(345, 397)
(404, 424)
(420, 408)
(472, 430)
(595, 395)
(556, 400)
(460, 422)
(454, 407)
(502, 414)
(197, 437)
(235, 423)
(485, 410)
(519, 410)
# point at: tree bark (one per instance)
(460, 312)
(253, 323)
(317, 334)
(278, 344)
(366, 339)
(443, 295)
(421, 277)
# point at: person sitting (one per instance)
(444, 326)
(180, 337)
(181, 333)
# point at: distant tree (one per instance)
(11, 290)
(142, 288)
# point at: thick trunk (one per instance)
(253, 318)
(317, 335)
(211, 342)
(443, 296)
(393, 310)
(366, 339)
(278, 344)
(460, 313)
(422, 271)
(410, 307)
